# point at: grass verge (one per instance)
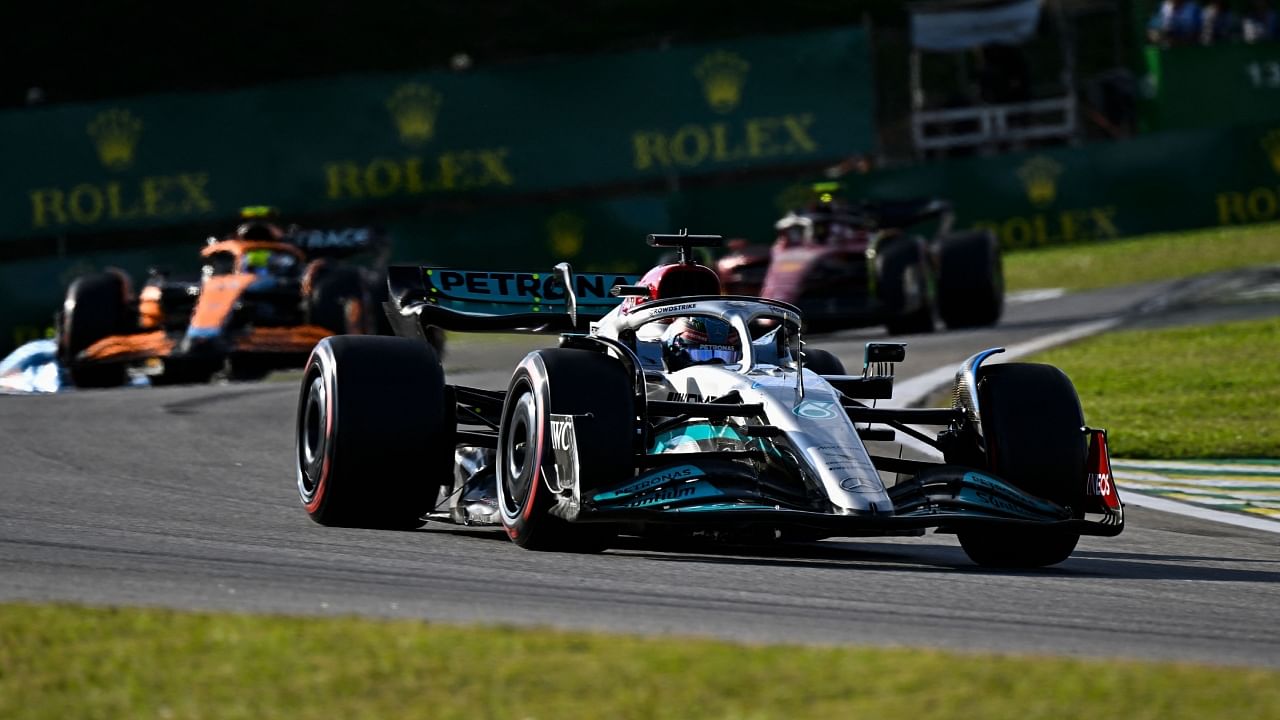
(59, 662)
(1188, 392)
(1143, 259)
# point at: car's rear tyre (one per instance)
(904, 288)
(375, 432)
(96, 307)
(338, 302)
(595, 388)
(248, 368)
(187, 371)
(970, 280)
(1031, 420)
(823, 362)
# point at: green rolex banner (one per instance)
(1093, 193)
(1212, 86)
(363, 141)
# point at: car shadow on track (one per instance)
(793, 554)
(1130, 566)
(922, 557)
(935, 557)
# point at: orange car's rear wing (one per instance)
(337, 242)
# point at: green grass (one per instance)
(1143, 259)
(1186, 392)
(61, 661)
(68, 662)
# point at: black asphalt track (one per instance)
(184, 497)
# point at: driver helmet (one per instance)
(258, 224)
(257, 261)
(792, 230)
(258, 230)
(698, 341)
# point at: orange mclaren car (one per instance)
(263, 299)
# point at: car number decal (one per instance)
(815, 410)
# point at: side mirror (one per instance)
(629, 291)
(878, 358)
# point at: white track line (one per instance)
(1177, 508)
(1156, 466)
(1029, 296)
(915, 390)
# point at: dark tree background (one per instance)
(84, 51)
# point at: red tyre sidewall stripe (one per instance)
(326, 461)
(526, 512)
(515, 527)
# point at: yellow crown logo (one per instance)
(115, 133)
(413, 108)
(722, 75)
(1271, 143)
(566, 232)
(1040, 176)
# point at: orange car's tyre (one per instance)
(583, 383)
(95, 308)
(375, 432)
(187, 372)
(338, 302)
(247, 368)
(1031, 420)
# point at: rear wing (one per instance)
(902, 214)
(336, 242)
(498, 301)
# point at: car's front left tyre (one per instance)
(96, 307)
(1031, 421)
(596, 390)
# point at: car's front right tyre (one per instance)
(375, 432)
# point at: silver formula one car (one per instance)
(670, 409)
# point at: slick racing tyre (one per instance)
(189, 371)
(338, 303)
(246, 368)
(597, 390)
(904, 290)
(95, 308)
(970, 280)
(375, 432)
(823, 362)
(1031, 420)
